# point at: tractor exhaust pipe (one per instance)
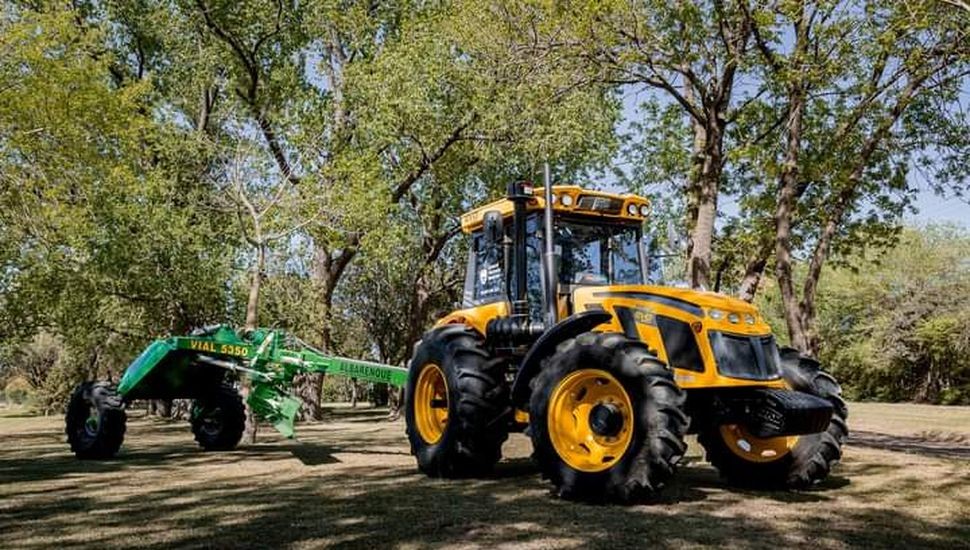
(517, 331)
(519, 193)
(549, 253)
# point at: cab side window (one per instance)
(483, 280)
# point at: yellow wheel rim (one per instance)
(580, 444)
(431, 403)
(756, 449)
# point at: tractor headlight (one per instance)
(567, 200)
(748, 318)
(555, 199)
(631, 209)
(715, 314)
(644, 210)
(734, 318)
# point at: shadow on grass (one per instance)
(386, 507)
(923, 445)
(167, 493)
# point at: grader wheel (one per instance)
(219, 419)
(95, 421)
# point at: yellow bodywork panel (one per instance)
(568, 199)
(476, 317)
(646, 302)
(690, 306)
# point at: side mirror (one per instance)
(493, 229)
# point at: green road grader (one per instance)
(205, 367)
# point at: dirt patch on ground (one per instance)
(350, 481)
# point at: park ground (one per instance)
(350, 481)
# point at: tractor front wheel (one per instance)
(454, 402)
(792, 462)
(606, 419)
(95, 421)
(218, 419)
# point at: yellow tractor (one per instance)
(563, 335)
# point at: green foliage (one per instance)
(135, 137)
(17, 391)
(108, 237)
(893, 325)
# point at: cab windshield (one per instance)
(598, 254)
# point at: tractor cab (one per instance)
(597, 241)
(601, 262)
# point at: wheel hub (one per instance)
(756, 449)
(431, 403)
(590, 420)
(212, 422)
(91, 424)
(606, 419)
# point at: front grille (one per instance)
(748, 357)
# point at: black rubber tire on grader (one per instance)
(622, 456)
(218, 419)
(95, 421)
(812, 457)
(455, 402)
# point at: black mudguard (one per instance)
(569, 327)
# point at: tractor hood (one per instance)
(713, 310)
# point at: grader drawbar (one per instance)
(206, 367)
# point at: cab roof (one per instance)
(568, 199)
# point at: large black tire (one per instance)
(218, 419)
(477, 403)
(657, 419)
(812, 457)
(95, 421)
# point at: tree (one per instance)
(889, 326)
(107, 238)
(868, 91)
(692, 55)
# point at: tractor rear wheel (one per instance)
(218, 419)
(95, 421)
(606, 419)
(793, 462)
(455, 399)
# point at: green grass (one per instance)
(350, 481)
(909, 419)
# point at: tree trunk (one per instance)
(807, 312)
(256, 280)
(702, 200)
(787, 193)
(252, 321)
(395, 404)
(309, 389)
(328, 267)
(753, 272)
